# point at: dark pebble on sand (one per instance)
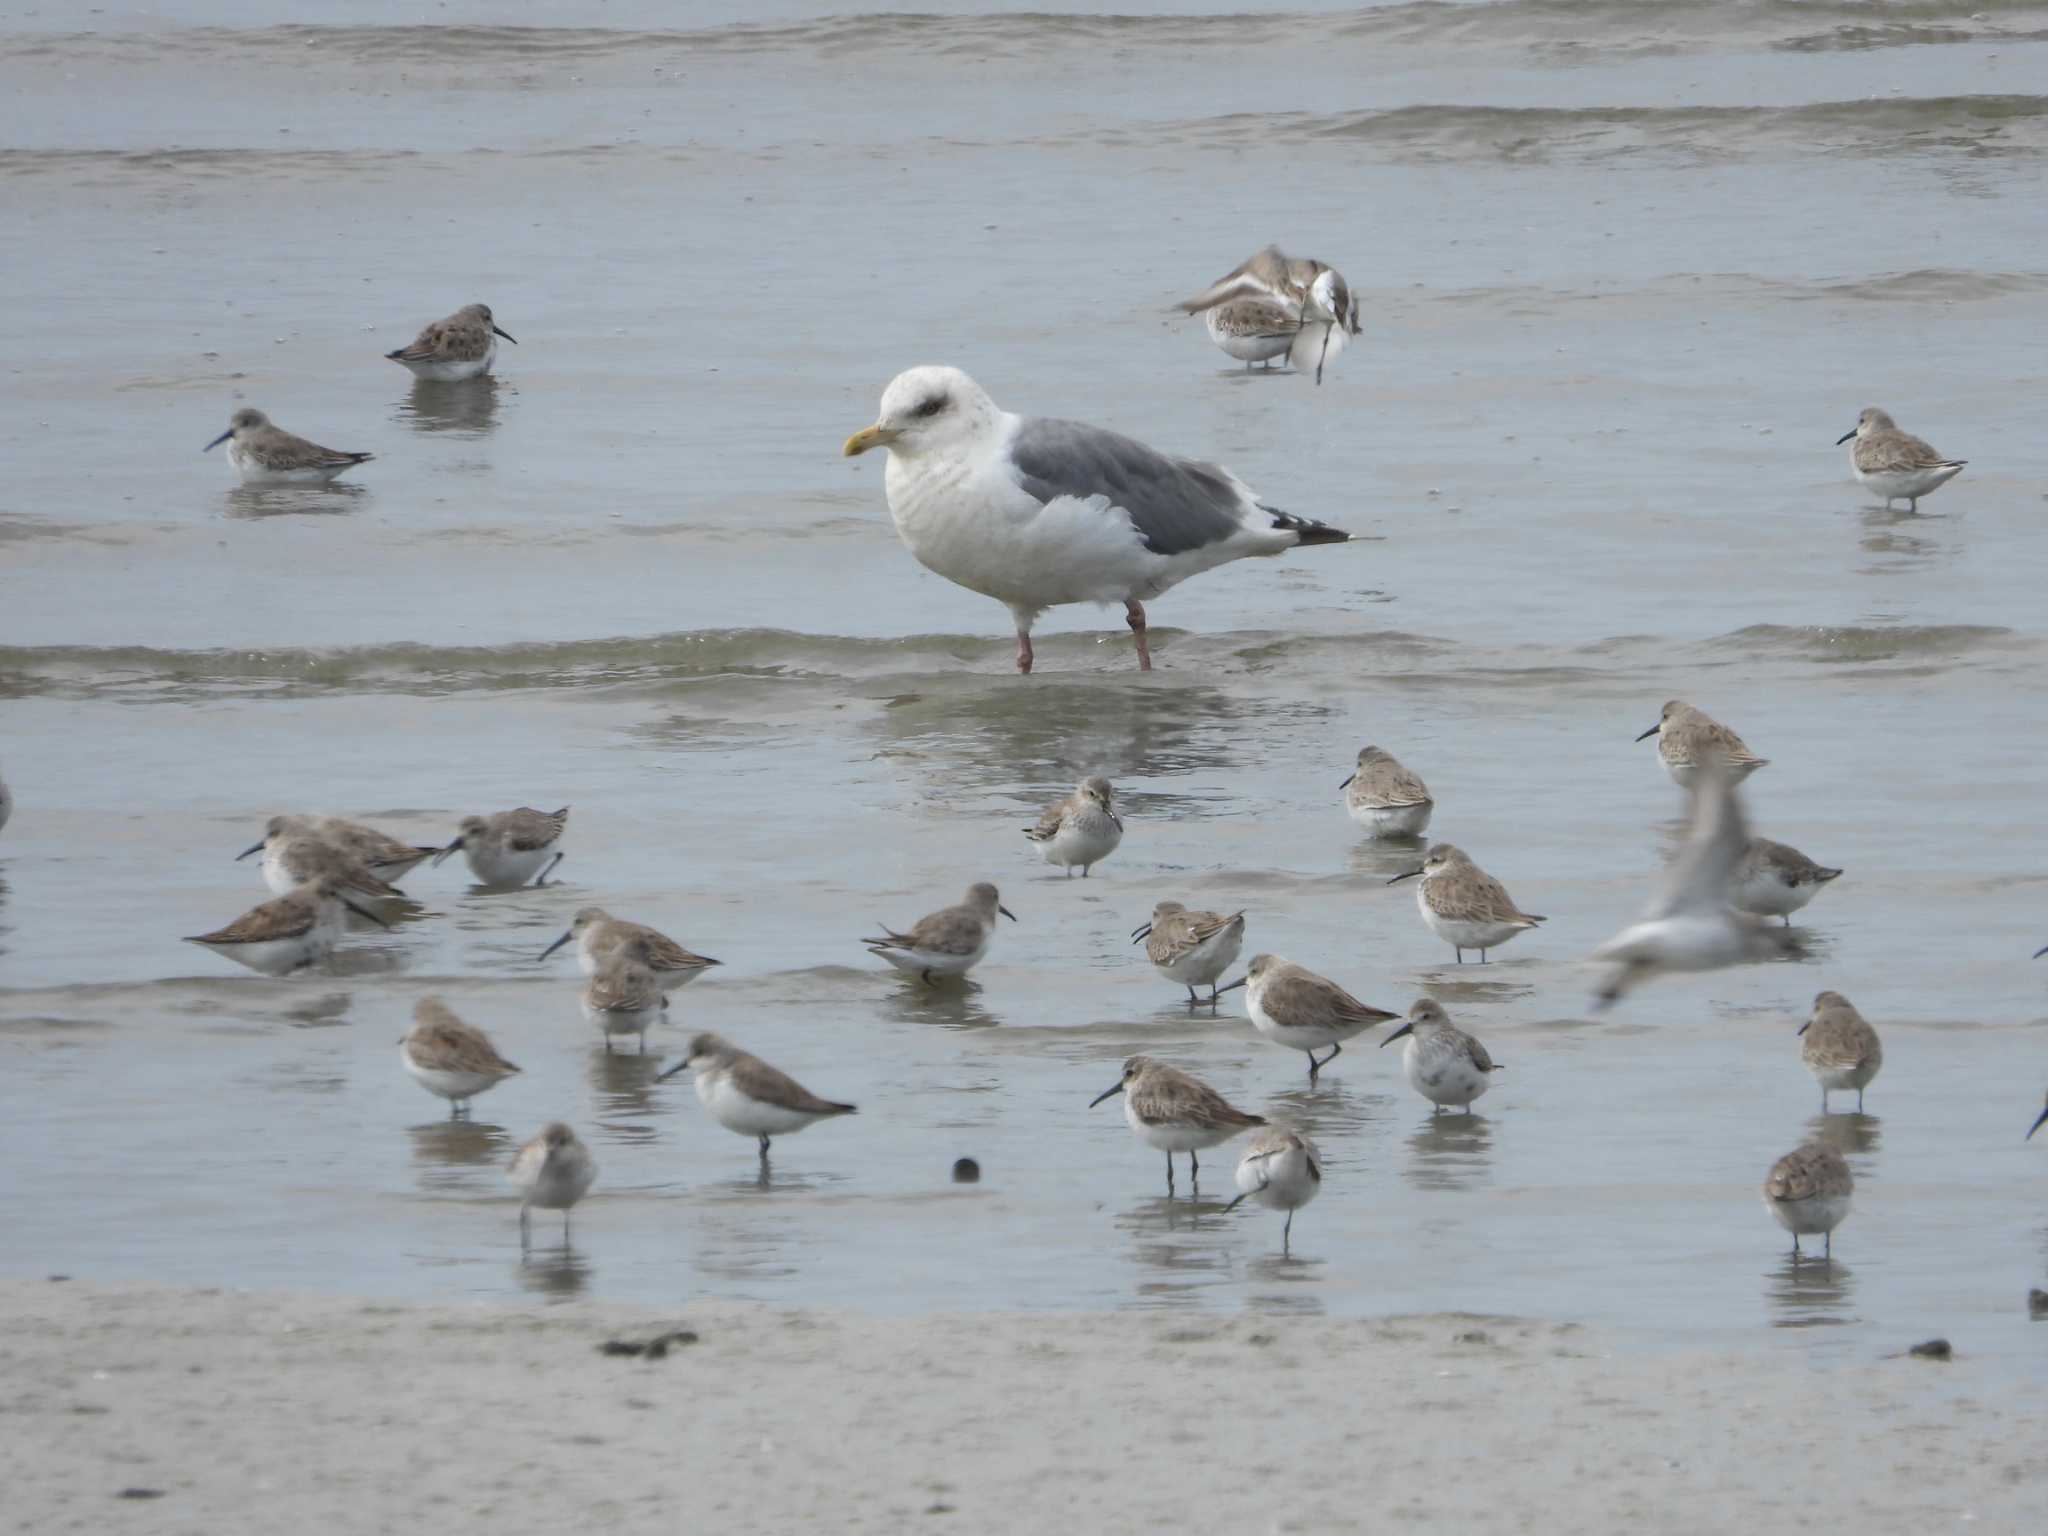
(140, 1493)
(966, 1171)
(2037, 1303)
(1933, 1349)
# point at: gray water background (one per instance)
(1628, 272)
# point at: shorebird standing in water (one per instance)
(445, 1056)
(459, 347)
(1292, 1006)
(263, 453)
(948, 942)
(1174, 1112)
(1443, 1063)
(1283, 1171)
(553, 1171)
(1463, 905)
(1385, 798)
(1191, 949)
(510, 848)
(1896, 464)
(747, 1096)
(1275, 305)
(1808, 1191)
(1686, 737)
(1082, 829)
(1839, 1048)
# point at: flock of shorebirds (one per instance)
(1039, 512)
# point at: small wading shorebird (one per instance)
(747, 1096)
(1293, 1006)
(1463, 905)
(597, 933)
(290, 932)
(1896, 464)
(448, 1057)
(460, 347)
(1283, 1171)
(1082, 829)
(1686, 737)
(1035, 512)
(1839, 1048)
(948, 942)
(507, 849)
(386, 857)
(1808, 1191)
(1274, 306)
(1444, 1064)
(1774, 880)
(1385, 798)
(1691, 923)
(263, 453)
(1175, 1112)
(290, 861)
(552, 1171)
(624, 995)
(1191, 949)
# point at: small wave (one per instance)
(1868, 643)
(118, 164)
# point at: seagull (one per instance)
(1692, 924)
(1896, 463)
(263, 453)
(1036, 512)
(1277, 305)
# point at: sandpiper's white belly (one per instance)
(741, 1112)
(449, 1085)
(275, 875)
(1281, 1182)
(623, 1021)
(507, 866)
(253, 473)
(1908, 483)
(1082, 840)
(1685, 774)
(1442, 1075)
(1809, 1217)
(1832, 1077)
(1208, 960)
(279, 957)
(1768, 895)
(1245, 346)
(918, 961)
(1174, 1137)
(1294, 1036)
(1391, 821)
(1463, 933)
(558, 1189)
(444, 371)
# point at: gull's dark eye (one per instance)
(931, 407)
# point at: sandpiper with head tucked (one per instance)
(1839, 1047)
(459, 347)
(552, 1171)
(289, 932)
(948, 942)
(1175, 1112)
(1385, 798)
(747, 1096)
(263, 453)
(1686, 737)
(510, 848)
(1274, 305)
(623, 995)
(1808, 1191)
(1463, 905)
(1896, 464)
(596, 934)
(1443, 1063)
(1191, 949)
(1283, 1171)
(1774, 880)
(1293, 1006)
(1082, 829)
(292, 860)
(448, 1057)
(386, 857)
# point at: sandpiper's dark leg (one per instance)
(925, 977)
(1194, 1170)
(1192, 999)
(1461, 954)
(543, 880)
(1169, 1175)
(1134, 615)
(1286, 1234)
(523, 1228)
(1788, 919)
(1314, 1067)
(764, 1149)
(1859, 1101)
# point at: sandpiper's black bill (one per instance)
(565, 938)
(1106, 1094)
(218, 440)
(1845, 437)
(1653, 730)
(506, 334)
(1230, 986)
(2037, 1125)
(1007, 913)
(672, 1071)
(1142, 931)
(1405, 1029)
(1347, 781)
(254, 848)
(1404, 875)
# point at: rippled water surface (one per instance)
(1629, 271)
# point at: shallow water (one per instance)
(1627, 280)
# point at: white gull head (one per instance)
(931, 409)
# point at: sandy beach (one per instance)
(263, 1412)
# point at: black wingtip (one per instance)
(1322, 533)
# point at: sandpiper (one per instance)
(509, 848)
(1463, 905)
(1685, 736)
(451, 1058)
(1808, 1191)
(1839, 1047)
(1283, 1171)
(1293, 1006)
(1774, 880)
(1444, 1064)
(1690, 924)
(460, 347)
(263, 453)
(1175, 1112)
(552, 1171)
(290, 932)
(1896, 464)
(747, 1096)
(295, 858)
(1191, 949)
(1385, 798)
(948, 942)
(1275, 305)
(1082, 829)
(387, 857)
(623, 995)
(597, 933)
